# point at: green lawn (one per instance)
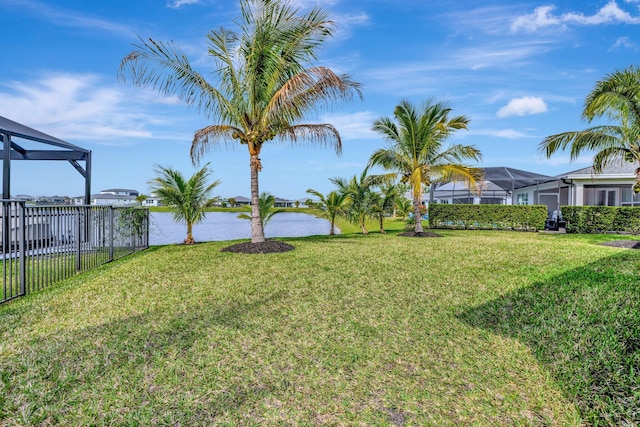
(474, 328)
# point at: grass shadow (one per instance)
(136, 370)
(584, 326)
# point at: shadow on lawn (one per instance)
(584, 326)
(138, 370)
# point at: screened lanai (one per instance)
(497, 187)
(20, 142)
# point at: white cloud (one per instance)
(177, 4)
(501, 133)
(624, 43)
(353, 126)
(524, 106)
(79, 107)
(543, 16)
(68, 18)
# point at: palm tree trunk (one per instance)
(382, 225)
(363, 226)
(332, 230)
(189, 240)
(416, 213)
(257, 231)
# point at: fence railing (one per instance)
(46, 244)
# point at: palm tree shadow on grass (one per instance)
(119, 372)
(583, 325)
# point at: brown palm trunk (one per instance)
(189, 240)
(382, 225)
(332, 230)
(257, 231)
(416, 213)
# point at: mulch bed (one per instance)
(629, 244)
(422, 234)
(268, 247)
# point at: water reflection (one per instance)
(227, 226)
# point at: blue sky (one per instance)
(518, 69)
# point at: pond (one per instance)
(227, 226)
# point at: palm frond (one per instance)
(204, 139)
(324, 134)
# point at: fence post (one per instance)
(111, 233)
(23, 253)
(79, 239)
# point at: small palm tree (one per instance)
(358, 189)
(265, 208)
(382, 203)
(232, 202)
(617, 98)
(332, 205)
(140, 198)
(417, 152)
(403, 207)
(187, 199)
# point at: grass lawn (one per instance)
(474, 328)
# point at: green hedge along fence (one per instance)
(602, 219)
(488, 217)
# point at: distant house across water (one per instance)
(111, 197)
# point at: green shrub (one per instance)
(498, 217)
(602, 219)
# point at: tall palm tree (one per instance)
(359, 191)
(416, 148)
(332, 205)
(616, 98)
(264, 83)
(265, 208)
(187, 199)
(383, 202)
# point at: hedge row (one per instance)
(602, 219)
(498, 217)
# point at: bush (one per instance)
(497, 217)
(602, 219)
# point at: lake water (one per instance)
(227, 226)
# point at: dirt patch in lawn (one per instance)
(421, 234)
(629, 244)
(268, 247)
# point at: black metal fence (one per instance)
(46, 244)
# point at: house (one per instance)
(582, 187)
(120, 192)
(283, 203)
(151, 201)
(497, 187)
(241, 201)
(111, 197)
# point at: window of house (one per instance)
(523, 198)
(629, 198)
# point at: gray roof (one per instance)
(21, 131)
(112, 197)
(501, 178)
(119, 190)
(615, 168)
(10, 130)
(510, 178)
